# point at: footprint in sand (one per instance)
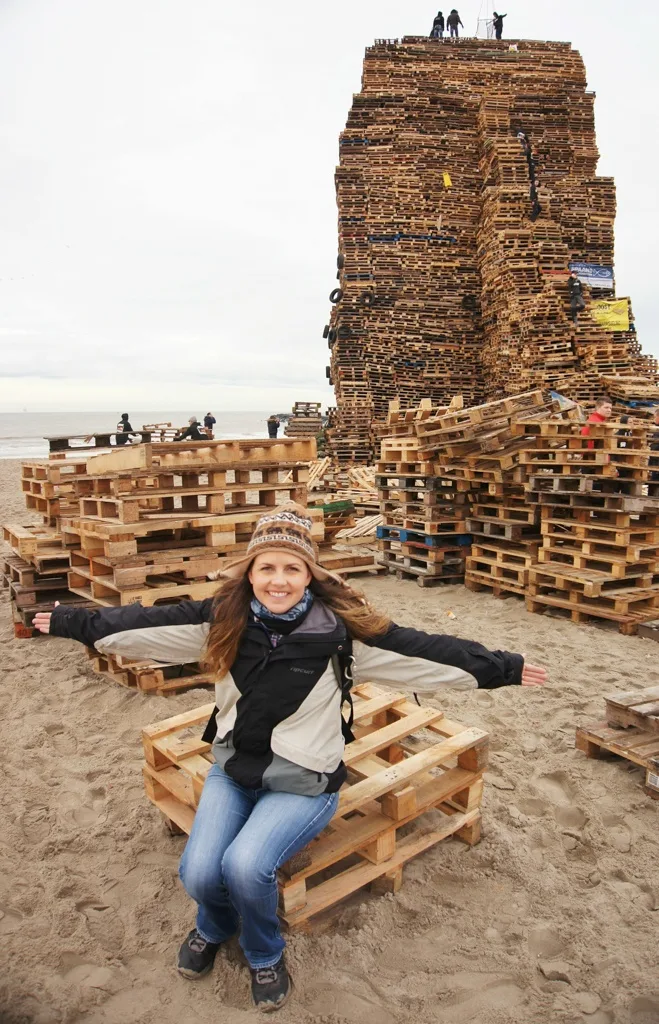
(532, 807)
(477, 997)
(84, 805)
(557, 787)
(544, 941)
(61, 738)
(36, 824)
(103, 924)
(560, 791)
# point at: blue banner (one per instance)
(594, 275)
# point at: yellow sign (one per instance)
(613, 314)
(447, 179)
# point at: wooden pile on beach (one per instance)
(146, 523)
(306, 421)
(533, 508)
(446, 284)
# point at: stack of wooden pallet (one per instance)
(632, 396)
(600, 530)
(306, 420)
(414, 779)
(35, 573)
(450, 282)
(156, 521)
(146, 523)
(423, 535)
(478, 449)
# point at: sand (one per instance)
(552, 917)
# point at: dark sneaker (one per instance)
(271, 986)
(196, 956)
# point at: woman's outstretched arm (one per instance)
(168, 633)
(424, 662)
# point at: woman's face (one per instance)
(278, 580)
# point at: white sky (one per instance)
(167, 210)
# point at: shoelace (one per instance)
(197, 944)
(266, 976)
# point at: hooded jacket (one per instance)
(277, 720)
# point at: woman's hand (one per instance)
(533, 675)
(41, 620)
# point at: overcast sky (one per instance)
(167, 210)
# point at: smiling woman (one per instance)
(285, 639)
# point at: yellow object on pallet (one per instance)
(447, 179)
(612, 314)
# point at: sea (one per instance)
(23, 434)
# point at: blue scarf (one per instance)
(271, 620)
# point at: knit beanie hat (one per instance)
(286, 528)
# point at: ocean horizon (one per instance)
(23, 434)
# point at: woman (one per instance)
(278, 635)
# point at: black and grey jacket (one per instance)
(277, 721)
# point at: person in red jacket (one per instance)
(602, 412)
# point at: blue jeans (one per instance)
(229, 867)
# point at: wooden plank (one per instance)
(404, 771)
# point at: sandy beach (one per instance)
(552, 917)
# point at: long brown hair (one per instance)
(231, 612)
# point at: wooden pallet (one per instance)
(30, 542)
(589, 582)
(17, 570)
(227, 454)
(114, 540)
(163, 680)
(23, 617)
(640, 746)
(638, 708)
(649, 630)
(406, 762)
(501, 586)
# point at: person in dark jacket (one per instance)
(273, 425)
(272, 637)
(124, 430)
(438, 26)
(575, 291)
(497, 22)
(452, 22)
(209, 421)
(192, 432)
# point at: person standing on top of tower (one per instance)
(438, 26)
(453, 21)
(497, 21)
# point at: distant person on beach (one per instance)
(192, 432)
(124, 430)
(273, 425)
(575, 291)
(438, 26)
(209, 421)
(286, 641)
(497, 21)
(452, 22)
